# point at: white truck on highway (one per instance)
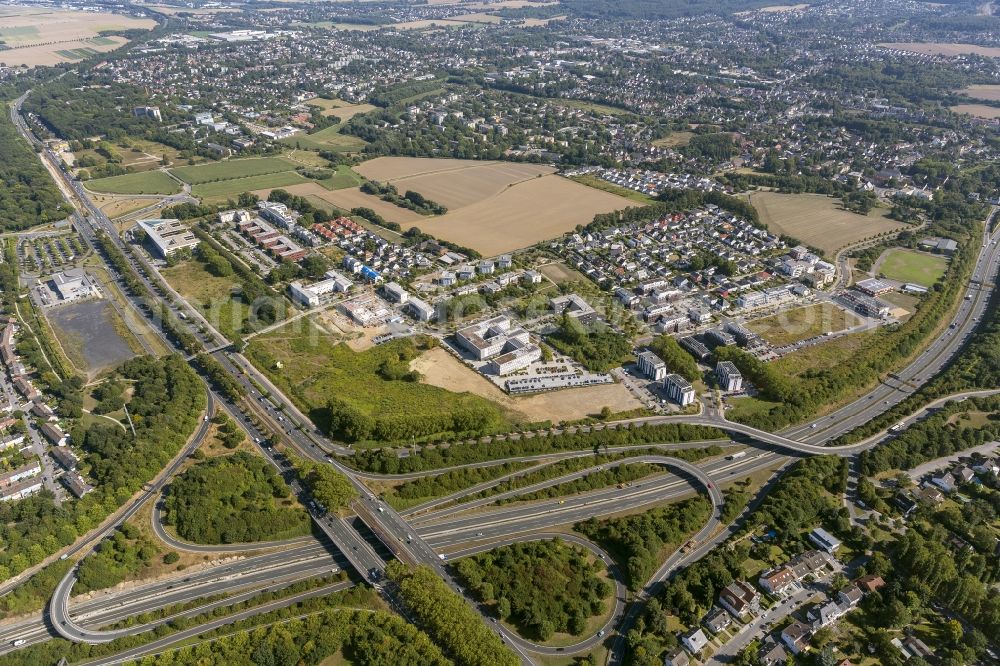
(737, 455)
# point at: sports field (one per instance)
(143, 182)
(45, 36)
(222, 190)
(493, 207)
(818, 220)
(229, 169)
(911, 266)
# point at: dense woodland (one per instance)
(638, 542)
(541, 587)
(448, 619)
(28, 195)
(167, 399)
(596, 347)
(238, 498)
(118, 557)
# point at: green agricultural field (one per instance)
(910, 266)
(329, 138)
(224, 189)
(146, 182)
(231, 169)
(314, 367)
(344, 177)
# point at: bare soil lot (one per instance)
(494, 207)
(818, 220)
(89, 328)
(802, 323)
(43, 36)
(944, 48)
(439, 368)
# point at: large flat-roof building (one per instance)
(824, 540)
(313, 294)
(678, 389)
(420, 309)
(395, 293)
(652, 366)
(730, 378)
(168, 235)
(575, 307)
(509, 347)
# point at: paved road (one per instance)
(185, 634)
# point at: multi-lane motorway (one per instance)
(429, 533)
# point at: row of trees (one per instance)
(937, 436)
(461, 453)
(676, 357)
(451, 622)
(238, 498)
(541, 587)
(411, 200)
(451, 481)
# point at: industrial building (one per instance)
(168, 236)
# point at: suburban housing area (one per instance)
(486, 333)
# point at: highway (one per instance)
(420, 540)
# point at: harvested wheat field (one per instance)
(493, 207)
(353, 197)
(818, 220)
(977, 110)
(454, 183)
(439, 368)
(988, 92)
(944, 48)
(43, 36)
